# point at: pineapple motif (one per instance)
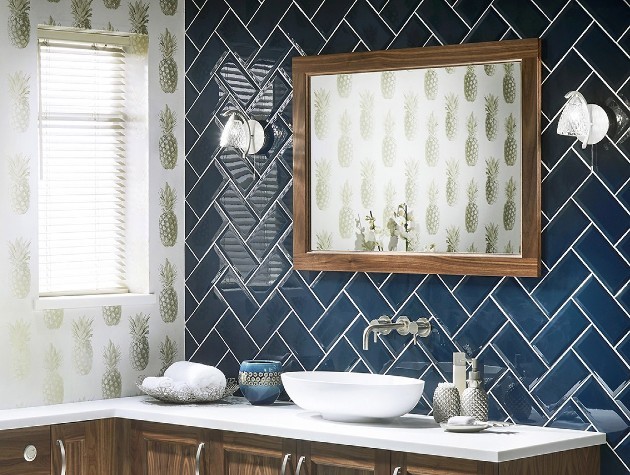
(508, 248)
(411, 116)
(489, 69)
(344, 85)
(472, 248)
(324, 240)
(20, 272)
(111, 382)
(509, 209)
(51, 21)
(367, 183)
(19, 188)
(139, 349)
(431, 84)
(112, 314)
(470, 84)
(492, 109)
(366, 119)
(345, 148)
(449, 69)
(322, 110)
(432, 146)
(452, 182)
(492, 236)
(412, 170)
(472, 209)
(450, 123)
(432, 216)
(52, 389)
(390, 198)
(168, 142)
(19, 23)
(346, 215)
(509, 84)
(168, 219)
(111, 4)
(53, 318)
(19, 339)
(168, 353)
(19, 92)
(388, 148)
(139, 18)
(168, 66)
(81, 13)
(452, 239)
(472, 144)
(322, 183)
(169, 7)
(168, 296)
(492, 182)
(388, 84)
(82, 351)
(509, 147)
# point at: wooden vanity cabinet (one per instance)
(14, 442)
(415, 464)
(315, 458)
(248, 454)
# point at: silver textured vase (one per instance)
(475, 403)
(446, 402)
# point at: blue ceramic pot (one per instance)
(260, 381)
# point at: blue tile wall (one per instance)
(555, 349)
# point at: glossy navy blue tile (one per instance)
(201, 278)
(495, 411)
(206, 189)
(413, 34)
(493, 367)
(624, 195)
(490, 28)
(478, 330)
(550, 7)
(204, 148)
(239, 212)
(523, 17)
(206, 315)
(200, 113)
(309, 276)
(344, 39)
(301, 342)
(443, 21)
(191, 262)
(396, 14)
(301, 299)
(624, 347)
(270, 56)
(327, 285)
(206, 231)
(363, 293)
(560, 332)
(191, 346)
(522, 359)
(369, 26)
(341, 358)
(237, 38)
(238, 82)
(277, 349)
(603, 209)
(560, 283)
(234, 294)
(563, 230)
(557, 385)
(611, 165)
(334, 322)
(268, 232)
(210, 350)
(330, 15)
(603, 414)
(568, 76)
(623, 450)
(519, 405)
(201, 69)
(301, 30)
(431, 379)
(412, 363)
(519, 307)
(606, 56)
(452, 281)
(267, 320)
(561, 35)
(233, 247)
(268, 274)
(603, 259)
(190, 53)
(266, 191)
(237, 339)
(472, 290)
(202, 25)
(413, 309)
(439, 346)
(442, 304)
(378, 278)
(398, 287)
(471, 10)
(245, 9)
(602, 360)
(191, 138)
(570, 417)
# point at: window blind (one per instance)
(82, 248)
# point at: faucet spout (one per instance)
(384, 325)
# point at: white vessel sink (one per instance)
(353, 397)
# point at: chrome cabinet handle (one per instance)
(285, 462)
(396, 471)
(299, 465)
(62, 449)
(198, 458)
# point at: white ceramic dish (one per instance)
(476, 427)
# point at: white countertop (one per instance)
(410, 433)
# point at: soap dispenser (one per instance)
(475, 398)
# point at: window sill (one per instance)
(87, 301)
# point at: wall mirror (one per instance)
(422, 160)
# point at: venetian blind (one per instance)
(82, 242)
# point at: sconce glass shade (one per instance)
(587, 122)
(246, 136)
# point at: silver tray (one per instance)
(190, 395)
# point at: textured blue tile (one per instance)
(559, 383)
(481, 326)
(235, 295)
(443, 21)
(211, 350)
(517, 402)
(495, 411)
(560, 283)
(341, 358)
(301, 299)
(602, 360)
(270, 272)
(439, 346)
(603, 260)
(570, 417)
(602, 412)
(233, 247)
(520, 307)
(523, 16)
(327, 285)
(607, 58)
(443, 306)
(603, 209)
(268, 319)
(412, 363)
(562, 182)
(561, 332)
(239, 213)
(563, 32)
(301, 342)
(334, 322)
(493, 367)
(237, 82)
(559, 235)
(399, 286)
(413, 34)
(366, 297)
(472, 290)
(268, 188)
(523, 360)
(268, 232)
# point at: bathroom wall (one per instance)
(555, 348)
(43, 363)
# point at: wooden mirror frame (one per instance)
(526, 265)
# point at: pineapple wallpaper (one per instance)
(434, 129)
(70, 354)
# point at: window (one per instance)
(83, 235)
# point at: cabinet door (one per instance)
(316, 458)
(414, 464)
(247, 454)
(164, 449)
(13, 444)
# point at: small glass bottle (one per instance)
(475, 399)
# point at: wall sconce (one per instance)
(588, 122)
(242, 134)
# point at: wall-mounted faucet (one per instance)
(384, 325)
